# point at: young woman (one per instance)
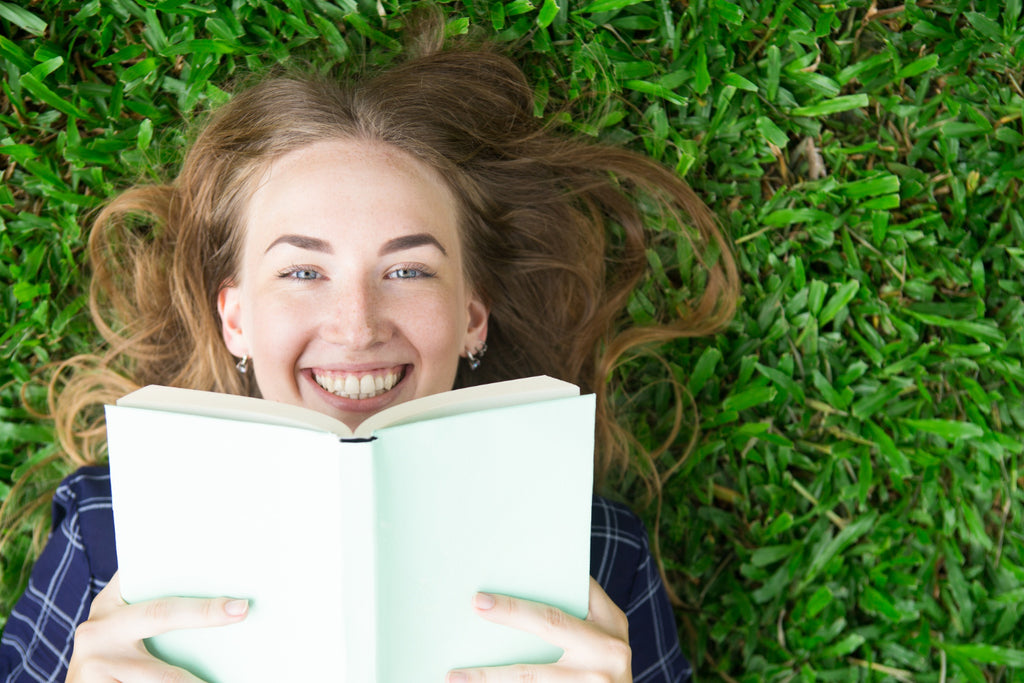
(349, 247)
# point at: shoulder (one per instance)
(621, 561)
(75, 565)
(86, 488)
(616, 522)
(82, 512)
(618, 547)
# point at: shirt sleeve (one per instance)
(621, 562)
(37, 639)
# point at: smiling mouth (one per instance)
(361, 385)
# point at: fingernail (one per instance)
(483, 601)
(236, 608)
(457, 677)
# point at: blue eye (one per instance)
(405, 273)
(409, 273)
(301, 273)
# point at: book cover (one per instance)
(359, 554)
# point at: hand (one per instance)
(109, 647)
(597, 646)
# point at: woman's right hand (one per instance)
(108, 645)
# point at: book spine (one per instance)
(358, 517)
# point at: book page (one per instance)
(247, 408)
(469, 399)
(232, 407)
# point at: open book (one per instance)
(360, 553)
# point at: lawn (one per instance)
(843, 501)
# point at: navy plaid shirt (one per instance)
(79, 560)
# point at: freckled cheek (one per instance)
(434, 324)
(280, 325)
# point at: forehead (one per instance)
(350, 189)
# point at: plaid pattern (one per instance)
(620, 560)
(79, 560)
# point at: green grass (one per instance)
(852, 509)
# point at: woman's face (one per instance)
(351, 295)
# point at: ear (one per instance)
(229, 305)
(476, 330)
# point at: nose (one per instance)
(354, 318)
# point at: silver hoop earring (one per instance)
(243, 364)
(473, 357)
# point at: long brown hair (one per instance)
(555, 237)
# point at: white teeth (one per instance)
(351, 386)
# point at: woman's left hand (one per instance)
(597, 646)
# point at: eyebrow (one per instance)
(303, 242)
(418, 239)
(397, 244)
